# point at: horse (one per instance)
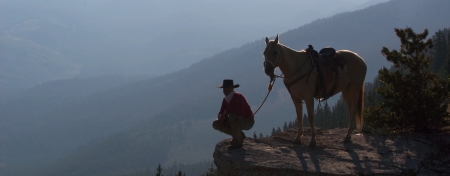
(297, 68)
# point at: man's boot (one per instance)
(243, 134)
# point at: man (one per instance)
(235, 114)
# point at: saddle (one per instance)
(326, 63)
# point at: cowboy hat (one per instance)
(228, 83)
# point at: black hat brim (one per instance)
(234, 86)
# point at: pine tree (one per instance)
(211, 171)
(440, 51)
(261, 135)
(412, 96)
(180, 174)
(285, 126)
(254, 135)
(305, 121)
(327, 120)
(446, 65)
(318, 115)
(273, 131)
(159, 170)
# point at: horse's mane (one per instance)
(301, 50)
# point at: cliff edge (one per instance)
(367, 154)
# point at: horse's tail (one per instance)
(359, 114)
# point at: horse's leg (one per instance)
(310, 108)
(351, 101)
(359, 110)
(299, 110)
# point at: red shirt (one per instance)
(237, 105)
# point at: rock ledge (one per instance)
(367, 154)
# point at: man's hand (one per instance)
(223, 118)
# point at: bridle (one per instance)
(269, 61)
(272, 77)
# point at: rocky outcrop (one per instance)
(367, 154)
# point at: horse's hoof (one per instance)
(298, 140)
(312, 144)
(347, 139)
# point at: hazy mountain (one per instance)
(168, 118)
(142, 37)
(24, 63)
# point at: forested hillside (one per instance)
(168, 118)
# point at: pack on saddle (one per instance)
(326, 62)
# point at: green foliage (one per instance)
(413, 97)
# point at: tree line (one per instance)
(206, 168)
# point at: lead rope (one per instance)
(269, 89)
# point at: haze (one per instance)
(102, 37)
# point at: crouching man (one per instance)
(235, 114)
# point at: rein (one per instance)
(269, 90)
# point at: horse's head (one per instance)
(271, 54)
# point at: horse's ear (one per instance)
(276, 39)
(267, 41)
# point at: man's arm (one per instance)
(223, 112)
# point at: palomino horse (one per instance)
(297, 65)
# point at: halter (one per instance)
(273, 64)
(270, 62)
